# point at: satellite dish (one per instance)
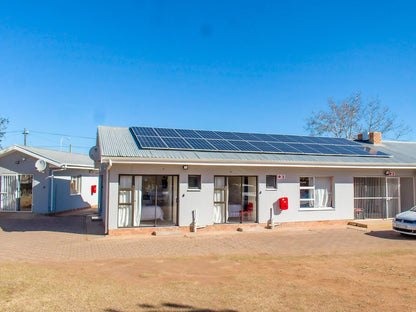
(41, 165)
(94, 153)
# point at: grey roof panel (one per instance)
(57, 157)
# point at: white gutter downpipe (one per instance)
(109, 165)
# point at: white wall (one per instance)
(202, 200)
(64, 200)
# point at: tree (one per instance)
(351, 117)
(3, 126)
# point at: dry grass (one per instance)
(383, 281)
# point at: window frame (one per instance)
(312, 190)
(78, 182)
(274, 187)
(199, 182)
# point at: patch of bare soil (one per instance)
(384, 281)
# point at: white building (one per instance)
(151, 178)
(46, 181)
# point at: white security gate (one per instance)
(16, 192)
(9, 187)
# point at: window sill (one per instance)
(271, 189)
(317, 209)
(194, 190)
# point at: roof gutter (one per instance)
(258, 164)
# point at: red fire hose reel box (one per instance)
(93, 189)
(284, 203)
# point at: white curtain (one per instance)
(218, 213)
(219, 209)
(125, 197)
(137, 200)
(123, 215)
(323, 192)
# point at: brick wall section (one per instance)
(375, 137)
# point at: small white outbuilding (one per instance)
(46, 181)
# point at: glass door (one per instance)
(235, 199)
(148, 201)
(220, 195)
(393, 197)
(159, 200)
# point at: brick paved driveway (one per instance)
(75, 237)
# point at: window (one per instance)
(194, 182)
(75, 185)
(271, 182)
(315, 192)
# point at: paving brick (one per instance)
(76, 237)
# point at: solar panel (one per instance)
(148, 141)
(204, 140)
(264, 146)
(188, 133)
(200, 144)
(171, 133)
(208, 134)
(306, 148)
(285, 148)
(144, 131)
(177, 143)
(223, 145)
(248, 137)
(228, 135)
(244, 146)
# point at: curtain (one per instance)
(323, 192)
(125, 201)
(219, 196)
(137, 200)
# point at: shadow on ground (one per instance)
(390, 234)
(169, 306)
(68, 223)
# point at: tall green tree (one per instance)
(350, 116)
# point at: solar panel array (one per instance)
(203, 140)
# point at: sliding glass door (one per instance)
(235, 199)
(148, 201)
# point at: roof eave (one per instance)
(15, 148)
(248, 163)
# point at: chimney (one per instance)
(375, 137)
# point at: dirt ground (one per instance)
(349, 279)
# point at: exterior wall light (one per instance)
(185, 167)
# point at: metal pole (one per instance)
(25, 133)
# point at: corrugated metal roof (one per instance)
(57, 157)
(118, 143)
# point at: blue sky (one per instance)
(257, 66)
